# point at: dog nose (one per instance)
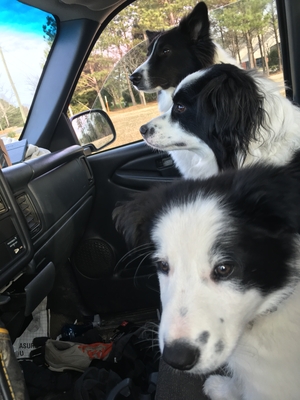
(181, 355)
(136, 78)
(144, 129)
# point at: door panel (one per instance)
(145, 171)
(108, 282)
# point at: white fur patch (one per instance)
(189, 152)
(165, 101)
(227, 323)
(190, 79)
(221, 56)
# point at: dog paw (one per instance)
(218, 387)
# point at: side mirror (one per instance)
(93, 128)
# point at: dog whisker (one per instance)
(139, 266)
(136, 251)
(140, 255)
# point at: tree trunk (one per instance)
(252, 51)
(142, 98)
(70, 110)
(13, 86)
(95, 86)
(130, 88)
(249, 49)
(4, 114)
(172, 19)
(116, 97)
(265, 56)
(237, 47)
(273, 19)
(261, 54)
(222, 37)
(103, 106)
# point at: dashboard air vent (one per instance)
(30, 214)
(3, 207)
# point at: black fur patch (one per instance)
(182, 50)
(203, 337)
(224, 108)
(219, 346)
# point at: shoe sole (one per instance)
(64, 368)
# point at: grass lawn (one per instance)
(127, 122)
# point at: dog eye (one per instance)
(222, 271)
(179, 108)
(166, 51)
(163, 266)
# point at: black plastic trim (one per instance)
(19, 262)
(39, 288)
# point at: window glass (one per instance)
(26, 35)
(246, 29)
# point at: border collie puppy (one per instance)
(225, 117)
(176, 53)
(227, 251)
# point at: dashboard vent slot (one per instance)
(3, 207)
(30, 214)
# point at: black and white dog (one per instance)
(176, 53)
(225, 117)
(227, 251)
(245, 120)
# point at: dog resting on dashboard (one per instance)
(227, 252)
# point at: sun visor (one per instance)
(94, 5)
(66, 10)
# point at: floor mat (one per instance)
(134, 358)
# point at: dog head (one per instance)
(227, 252)
(221, 106)
(175, 53)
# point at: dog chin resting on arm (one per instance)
(227, 252)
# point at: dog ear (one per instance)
(196, 24)
(234, 105)
(151, 35)
(268, 197)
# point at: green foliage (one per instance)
(105, 76)
(12, 134)
(241, 22)
(49, 29)
(9, 115)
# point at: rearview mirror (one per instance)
(93, 128)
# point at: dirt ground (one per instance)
(128, 121)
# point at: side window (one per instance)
(26, 37)
(246, 29)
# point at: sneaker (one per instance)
(61, 355)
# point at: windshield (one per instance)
(246, 29)
(26, 36)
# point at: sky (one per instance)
(23, 46)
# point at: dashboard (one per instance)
(44, 207)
